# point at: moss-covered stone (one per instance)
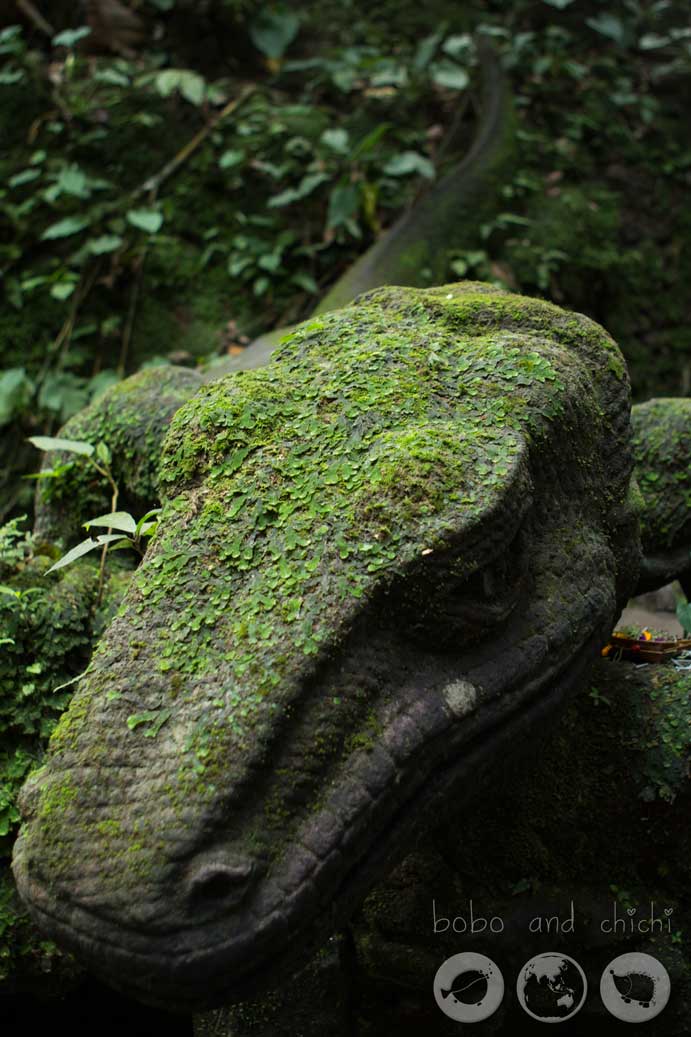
(48, 626)
(328, 523)
(131, 418)
(662, 448)
(597, 818)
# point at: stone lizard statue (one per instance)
(384, 562)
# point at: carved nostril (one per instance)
(219, 881)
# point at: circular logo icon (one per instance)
(468, 987)
(635, 987)
(551, 987)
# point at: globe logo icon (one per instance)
(468, 987)
(551, 987)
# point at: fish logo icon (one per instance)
(635, 987)
(468, 987)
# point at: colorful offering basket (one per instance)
(647, 647)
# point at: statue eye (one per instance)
(442, 607)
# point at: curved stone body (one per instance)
(662, 451)
(383, 562)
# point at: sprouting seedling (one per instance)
(130, 532)
(97, 456)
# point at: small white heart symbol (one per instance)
(669, 910)
(631, 911)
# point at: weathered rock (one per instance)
(662, 448)
(48, 627)
(354, 611)
(131, 418)
(594, 827)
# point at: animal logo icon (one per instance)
(635, 987)
(468, 987)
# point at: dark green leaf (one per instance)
(684, 616)
(305, 281)
(25, 177)
(15, 388)
(114, 520)
(445, 73)
(231, 158)
(63, 289)
(273, 30)
(426, 50)
(82, 549)
(64, 228)
(106, 243)
(191, 85)
(458, 45)
(294, 194)
(73, 180)
(145, 519)
(103, 452)
(608, 25)
(344, 202)
(63, 393)
(74, 446)
(68, 37)
(337, 140)
(408, 162)
(149, 220)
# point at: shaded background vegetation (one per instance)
(178, 177)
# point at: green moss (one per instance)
(662, 448)
(57, 798)
(366, 463)
(660, 730)
(131, 418)
(49, 625)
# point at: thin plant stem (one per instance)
(153, 183)
(107, 474)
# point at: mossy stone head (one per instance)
(382, 561)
